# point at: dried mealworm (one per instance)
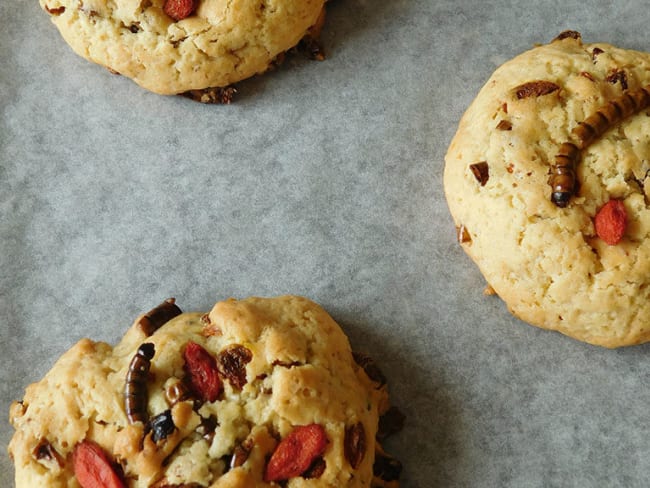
(563, 179)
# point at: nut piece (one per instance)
(481, 172)
(355, 444)
(462, 234)
(617, 76)
(535, 88)
(504, 125)
(44, 451)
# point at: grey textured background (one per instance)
(323, 179)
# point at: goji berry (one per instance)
(201, 368)
(296, 452)
(179, 9)
(93, 468)
(610, 222)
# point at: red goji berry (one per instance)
(610, 222)
(179, 9)
(296, 452)
(201, 368)
(93, 468)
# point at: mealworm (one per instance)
(563, 179)
(159, 316)
(135, 387)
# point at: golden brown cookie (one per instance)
(258, 392)
(547, 181)
(179, 46)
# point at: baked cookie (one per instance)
(547, 181)
(258, 392)
(179, 46)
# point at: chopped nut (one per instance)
(355, 444)
(463, 234)
(207, 427)
(596, 51)
(55, 11)
(177, 392)
(44, 451)
(241, 453)
(316, 469)
(504, 125)
(488, 290)
(618, 76)
(481, 172)
(536, 88)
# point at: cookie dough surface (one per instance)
(546, 262)
(222, 42)
(297, 370)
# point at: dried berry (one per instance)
(179, 9)
(354, 444)
(481, 172)
(610, 222)
(93, 468)
(201, 369)
(535, 88)
(296, 452)
(232, 362)
(161, 425)
(596, 52)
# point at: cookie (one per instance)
(257, 392)
(547, 182)
(185, 46)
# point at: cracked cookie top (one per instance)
(258, 392)
(209, 44)
(547, 181)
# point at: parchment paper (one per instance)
(325, 180)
